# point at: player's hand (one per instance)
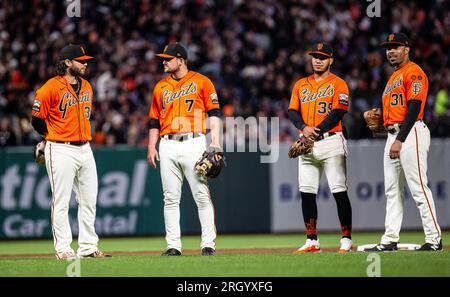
(311, 132)
(396, 147)
(151, 156)
(216, 146)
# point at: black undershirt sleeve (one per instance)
(39, 125)
(332, 119)
(296, 119)
(154, 124)
(411, 118)
(215, 113)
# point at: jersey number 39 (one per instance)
(323, 107)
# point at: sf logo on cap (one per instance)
(391, 37)
(320, 46)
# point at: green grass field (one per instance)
(141, 257)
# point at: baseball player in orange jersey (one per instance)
(61, 112)
(407, 145)
(177, 117)
(317, 106)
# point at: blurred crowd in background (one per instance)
(253, 51)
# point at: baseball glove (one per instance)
(374, 120)
(302, 146)
(209, 165)
(38, 153)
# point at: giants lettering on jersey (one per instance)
(168, 96)
(306, 96)
(397, 83)
(67, 101)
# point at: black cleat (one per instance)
(207, 251)
(431, 247)
(171, 252)
(390, 247)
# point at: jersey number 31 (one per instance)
(397, 99)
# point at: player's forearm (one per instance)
(215, 131)
(332, 119)
(411, 118)
(153, 136)
(296, 119)
(39, 125)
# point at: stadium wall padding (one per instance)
(365, 182)
(130, 196)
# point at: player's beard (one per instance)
(74, 71)
(320, 72)
(399, 58)
(172, 70)
(395, 62)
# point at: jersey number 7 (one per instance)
(190, 103)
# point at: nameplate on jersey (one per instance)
(397, 83)
(306, 96)
(67, 101)
(168, 96)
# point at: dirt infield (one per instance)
(185, 252)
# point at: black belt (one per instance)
(181, 137)
(396, 127)
(76, 143)
(322, 136)
(394, 130)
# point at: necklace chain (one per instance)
(78, 86)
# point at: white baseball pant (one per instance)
(329, 155)
(177, 160)
(72, 167)
(410, 168)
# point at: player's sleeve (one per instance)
(416, 85)
(340, 97)
(42, 102)
(209, 94)
(154, 113)
(92, 93)
(294, 104)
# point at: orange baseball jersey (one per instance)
(407, 83)
(66, 115)
(180, 106)
(315, 100)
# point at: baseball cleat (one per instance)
(66, 256)
(311, 246)
(171, 252)
(390, 247)
(346, 245)
(207, 251)
(431, 247)
(97, 254)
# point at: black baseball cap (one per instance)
(396, 39)
(73, 52)
(174, 50)
(321, 48)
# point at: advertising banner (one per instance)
(366, 190)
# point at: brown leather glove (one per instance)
(38, 153)
(374, 120)
(302, 146)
